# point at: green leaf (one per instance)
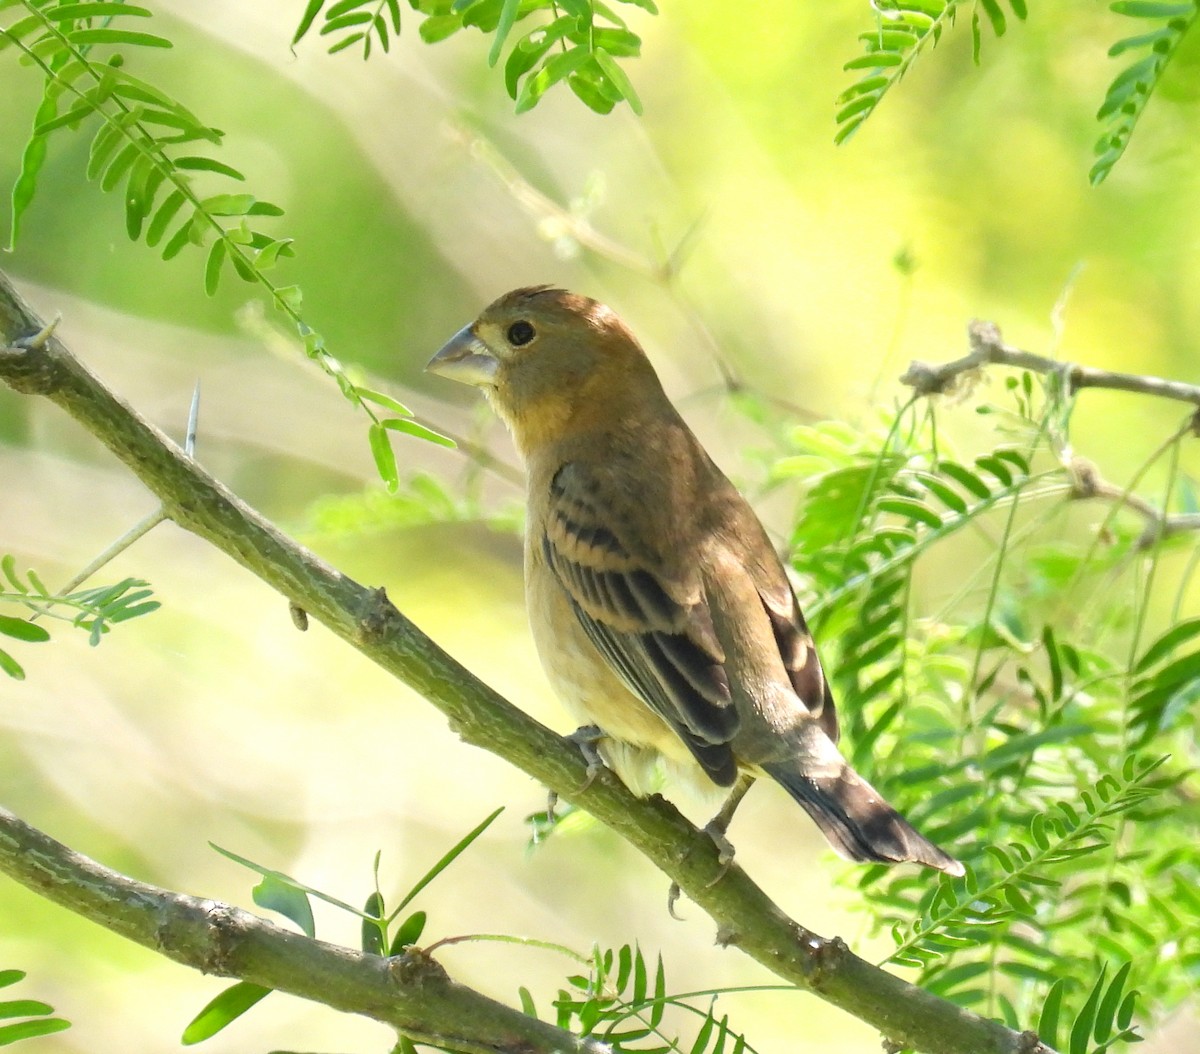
(178, 240)
(385, 457)
(619, 79)
(449, 857)
(996, 466)
(439, 27)
(1167, 643)
(554, 70)
(121, 164)
(106, 140)
(995, 15)
(873, 61)
(1142, 40)
(910, 509)
(31, 1029)
(8, 566)
(965, 478)
(701, 1043)
(527, 1006)
(207, 164)
(508, 15)
(306, 20)
(335, 25)
(226, 1007)
(860, 105)
(33, 157)
(20, 629)
(343, 7)
(25, 1008)
(409, 932)
(269, 253)
(1081, 1030)
(1152, 9)
(381, 399)
(420, 431)
(81, 37)
(212, 268)
(274, 894)
(372, 927)
(163, 217)
(93, 9)
(265, 871)
(228, 204)
(393, 7)
(1107, 1011)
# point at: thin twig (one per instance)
(143, 526)
(989, 348)
(1086, 482)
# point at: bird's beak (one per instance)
(467, 359)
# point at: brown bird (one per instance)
(660, 609)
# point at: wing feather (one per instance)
(799, 655)
(655, 632)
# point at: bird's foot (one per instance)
(586, 738)
(725, 851)
(719, 824)
(715, 829)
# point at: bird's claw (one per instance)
(586, 738)
(715, 829)
(725, 850)
(673, 895)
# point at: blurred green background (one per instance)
(415, 197)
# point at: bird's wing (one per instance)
(799, 654)
(746, 537)
(655, 631)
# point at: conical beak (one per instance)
(467, 359)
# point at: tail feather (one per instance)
(857, 821)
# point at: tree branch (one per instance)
(1086, 482)
(365, 618)
(410, 992)
(989, 348)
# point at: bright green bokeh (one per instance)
(409, 188)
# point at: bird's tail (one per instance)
(856, 819)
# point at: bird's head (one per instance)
(549, 361)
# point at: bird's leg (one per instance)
(719, 824)
(715, 829)
(585, 738)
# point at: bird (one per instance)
(660, 610)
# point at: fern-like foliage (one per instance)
(156, 153)
(579, 42)
(622, 1006)
(1161, 29)
(37, 1014)
(354, 23)
(95, 610)
(903, 30)
(995, 688)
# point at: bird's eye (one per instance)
(520, 332)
